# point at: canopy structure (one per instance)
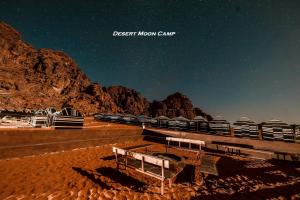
(277, 130)
(244, 127)
(219, 126)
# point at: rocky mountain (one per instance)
(129, 100)
(39, 78)
(176, 105)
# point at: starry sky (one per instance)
(230, 57)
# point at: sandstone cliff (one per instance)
(39, 78)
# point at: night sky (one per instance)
(234, 58)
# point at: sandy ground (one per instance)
(31, 141)
(91, 174)
(79, 164)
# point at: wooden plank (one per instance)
(157, 176)
(147, 158)
(191, 141)
(150, 159)
(119, 151)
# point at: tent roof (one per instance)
(128, 115)
(162, 118)
(180, 118)
(219, 119)
(199, 118)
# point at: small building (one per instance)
(244, 127)
(178, 123)
(219, 126)
(199, 123)
(277, 130)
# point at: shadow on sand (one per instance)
(267, 193)
(91, 176)
(153, 136)
(237, 174)
(122, 178)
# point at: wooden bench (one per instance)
(189, 142)
(144, 163)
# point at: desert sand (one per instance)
(90, 173)
(79, 164)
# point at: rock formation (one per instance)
(176, 105)
(36, 79)
(129, 100)
(39, 78)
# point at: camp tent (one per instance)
(162, 121)
(244, 127)
(277, 130)
(180, 123)
(219, 126)
(199, 123)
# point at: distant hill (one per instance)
(39, 78)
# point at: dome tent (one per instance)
(219, 126)
(178, 123)
(161, 121)
(277, 130)
(199, 123)
(244, 127)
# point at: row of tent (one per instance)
(65, 118)
(244, 127)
